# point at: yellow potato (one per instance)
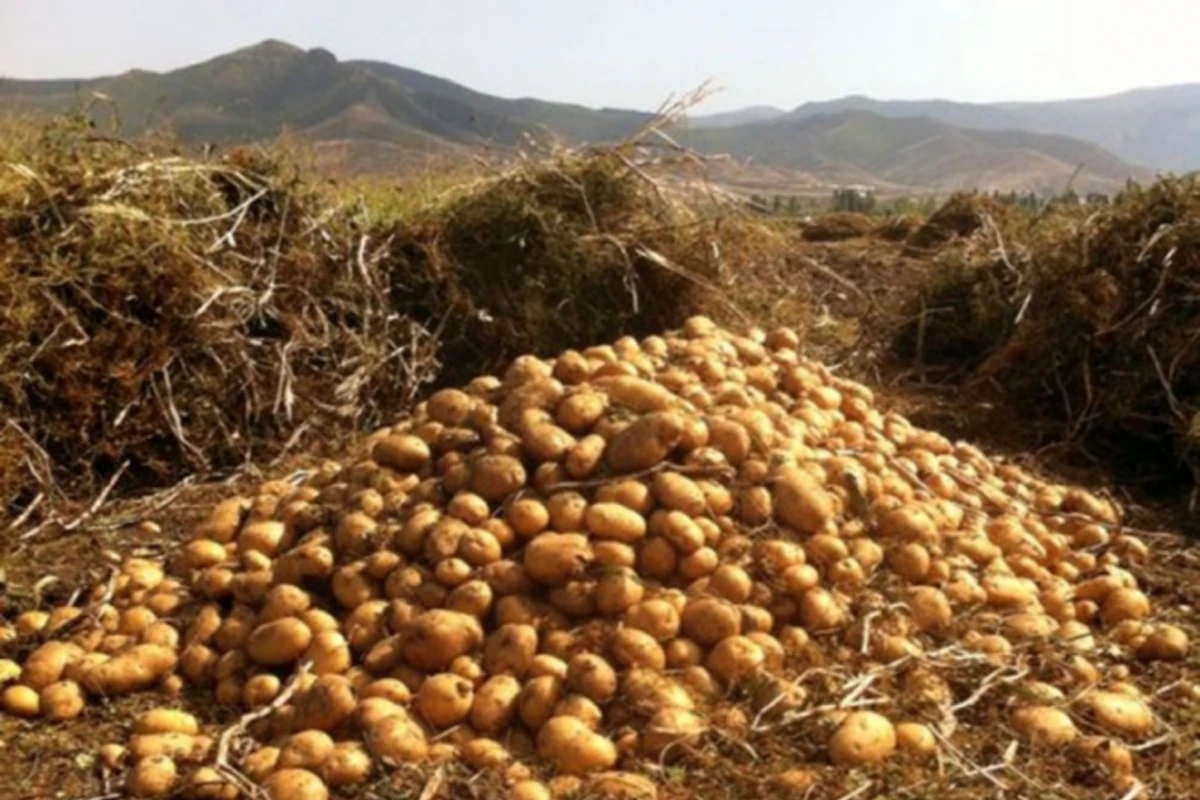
(646, 442)
(437, 637)
(295, 784)
(615, 521)
(800, 501)
(281, 641)
(670, 731)
(862, 737)
(444, 699)
(348, 765)
(573, 747)
(153, 776)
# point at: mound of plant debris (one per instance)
(1086, 321)
(168, 316)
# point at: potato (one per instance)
(166, 720)
(820, 610)
(656, 617)
(619, 589)
(260, 763)
(1119, 713)
(496, 477)
(396, 739)
(1044, 725)
(295, 784)
(620, 786)
(450, 406)
(679, 493)
(615, 521)
(555, 558)
(683, 532)
(389, 688)
(437, 637)
(329, 653)
(631, 647)
(573, 747)
(348, 765)
(21, 701)
(730, 582)
(224, 520)
(327, 704)
(580, 410)
(134, 670)
(735, 659)
(510, 649)
(403, 453)
(669, 730)
(176, 746)
(444, 699)
(581, 708)
(207, 783)
(592, 677)
(45, 665)
(862, 737)
(567, 512)
(495, 704)
(537, 700)
(800, 501)
(279, 642)
(31, 622)
(112, 756)
(916, 738)
(153, 776)
(1112, 754)
(306, 749)
(1124, 604)
(708, 620)
(260, 690)
(730, 438)
(637, 394)
(645, 443)
(1165, 643)
(1023, 627)
(546, 441)
(529, 790)
(268, 537)
(930, 609)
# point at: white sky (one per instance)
(634, 53)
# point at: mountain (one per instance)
(918, 152)
(374, 116)
(1158, 127)
(742, 116)
(258, 91)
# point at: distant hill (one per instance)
(742, 116)
(374, 116)
(1158, 127)
(918, 152)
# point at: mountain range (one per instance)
(375, 116)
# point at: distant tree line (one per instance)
(864, 201)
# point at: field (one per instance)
(182, 335)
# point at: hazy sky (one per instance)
(633, 53)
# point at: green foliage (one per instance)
(857, 200)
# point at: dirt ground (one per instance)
(982, 759)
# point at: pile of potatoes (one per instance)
(560, 572)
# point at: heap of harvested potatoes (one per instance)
(578, 567)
